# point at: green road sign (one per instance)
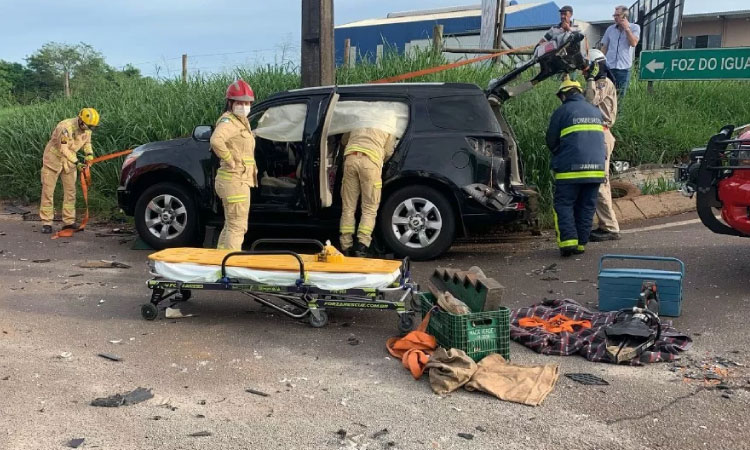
(696, 64)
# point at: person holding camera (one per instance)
(618, 44)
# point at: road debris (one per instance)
(253, 391)
(115, 341)
(129, 398)
(201, 434)
(75, 443)
(103, 264)
(587, 379)
(467, 436)
(65, 355)
(353, 340)
(341, 433)
(110, 356)
(39, 261)
(175, 313)
(379, 434)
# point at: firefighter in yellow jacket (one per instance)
(234, 143)
(60, 160)
(366, 151)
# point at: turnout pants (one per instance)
(575, 204)
(49, 180)
(361, 178)
(605, 210)
(235, 197)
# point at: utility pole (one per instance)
(184, 68)
(318, 64)
(493, 23)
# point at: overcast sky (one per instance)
(154, 33)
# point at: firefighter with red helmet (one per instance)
(234, 144)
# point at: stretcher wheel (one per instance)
(321, 322)
(184, 296)
(149, 311)
(405, 322)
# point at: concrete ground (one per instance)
(319, 386)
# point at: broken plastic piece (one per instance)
(110, 356)
(75, 443)
(253, 391)
(129, 398)
(201, 434)
(103, 264)
(587, 379)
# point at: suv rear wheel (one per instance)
(418, 222)
(166, 216)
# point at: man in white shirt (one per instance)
(618, 43)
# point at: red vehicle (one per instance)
(720, 176)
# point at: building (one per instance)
(524, 25)
(709, 30)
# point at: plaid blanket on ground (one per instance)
(588, 342)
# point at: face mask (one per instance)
(241, 110)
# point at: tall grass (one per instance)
(651, 128)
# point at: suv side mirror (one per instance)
(202, 133)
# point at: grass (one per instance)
(659, 186)
(651, 128)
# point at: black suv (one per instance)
(455, 170)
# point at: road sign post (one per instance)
(696, 64)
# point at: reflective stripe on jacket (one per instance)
(234, 143)
(576, 139)
(376, 144)
(66, 140)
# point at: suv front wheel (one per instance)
(418, 222)
(166, 216)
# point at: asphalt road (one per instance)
(318, 384)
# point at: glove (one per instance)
(89, 158)
(81, 166)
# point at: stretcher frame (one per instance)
(305, 300)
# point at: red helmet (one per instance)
(240, 90)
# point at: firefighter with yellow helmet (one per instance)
(234, 144)
(576, 139)
(60, 160)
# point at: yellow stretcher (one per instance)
(297, 285)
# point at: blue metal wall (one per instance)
(367, 38)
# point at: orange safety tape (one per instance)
(414, 349)
(557, 324)
(436, 69)
(85, 177)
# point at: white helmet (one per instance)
(596, 56)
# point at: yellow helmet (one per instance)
(567, 85)
(89, 116)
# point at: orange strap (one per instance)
(85, 177)
(414, 349)
(431, 70)
(557, 324)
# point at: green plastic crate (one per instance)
(478, 334)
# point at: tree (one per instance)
(17, 83)
(55, 64)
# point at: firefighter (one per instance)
(602, 93)
(367, 149)
(61, 160)
(234, 144)
(576, 139)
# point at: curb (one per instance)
(652, 206)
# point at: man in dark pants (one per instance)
(576, 139)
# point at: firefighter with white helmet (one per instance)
(234, 144)
(602, 93)
(60, 160)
